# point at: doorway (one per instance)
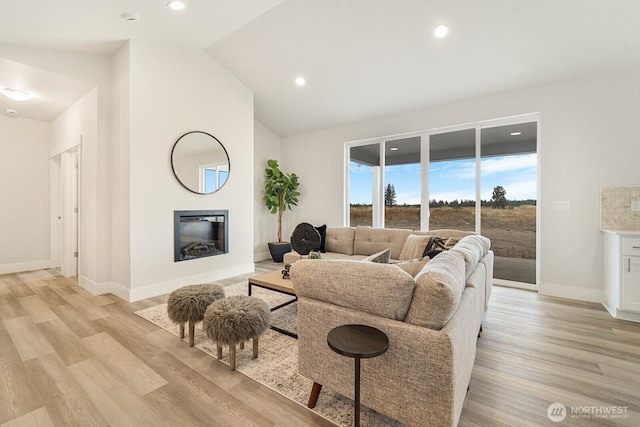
(65, 202)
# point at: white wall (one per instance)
(173, 91)
(267, 146)
(24, 191)
(588, 140)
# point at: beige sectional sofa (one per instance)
(432, 321)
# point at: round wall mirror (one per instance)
(200, 162)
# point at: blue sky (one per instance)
(452, 179)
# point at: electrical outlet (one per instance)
(562, 206)
(635, 206)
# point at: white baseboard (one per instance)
(25, 266)
(93, 287)
(628, 315)
(149, 291)
(261, 255)
(571, 292)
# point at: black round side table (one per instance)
(359, 342)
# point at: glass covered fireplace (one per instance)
(199, 234)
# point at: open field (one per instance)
(512, 231)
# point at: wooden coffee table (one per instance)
(273, 281)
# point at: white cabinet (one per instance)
(622, 274)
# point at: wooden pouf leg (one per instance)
(255, 348)
(192, 332)
(181, 331)
(232, 357)
(218, 351)
(242, 345)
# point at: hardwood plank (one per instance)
(37, 418)
(27, 338)
(133, 372)
(18, 390)
(37, 309)
(66, 344)
(117, 404)
(67, 403)
(92, 312)
(76, 320)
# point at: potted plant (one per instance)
(280, 193)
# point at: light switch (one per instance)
(635, 206)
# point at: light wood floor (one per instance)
(71, 359)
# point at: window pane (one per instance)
(402, 183)
(508, 192)
(364, 172)
(452, 180)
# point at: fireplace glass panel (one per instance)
(200, 234)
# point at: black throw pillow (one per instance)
(322, 230)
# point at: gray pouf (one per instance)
(235, 320)
(189, 303)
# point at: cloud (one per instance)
(496, 165)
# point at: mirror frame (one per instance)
(214, 139)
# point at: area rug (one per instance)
(277, 364)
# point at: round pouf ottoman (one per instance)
(235, 320)
(188, 304)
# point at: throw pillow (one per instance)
(439, 244)
(414, 266)
(322, 230)
(382, 257)
(414, 247)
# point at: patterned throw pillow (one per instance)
(439, 244)
(414, 247)
(382, 257)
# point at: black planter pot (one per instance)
(278, 249)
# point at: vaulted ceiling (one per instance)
(361, 58)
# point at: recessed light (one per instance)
(300, 81)
(515, 133)
(440, 31)
(12, 113)
(176, 5)
(16, 94)
(393, 148)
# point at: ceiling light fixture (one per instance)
(16, 94)
(130, 17)
(440, 31)
(176, 5)
(515, 133)
(12, 112)
(300, 81)
(393, 149)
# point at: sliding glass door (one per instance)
(481, 178)
(452, 180)
(509, 191)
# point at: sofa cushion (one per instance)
(340, 239)
(413, 267)
(438, 290)
(380, 289)
(414, 246)
(382, 257)
(472, 249)
(369, 240)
